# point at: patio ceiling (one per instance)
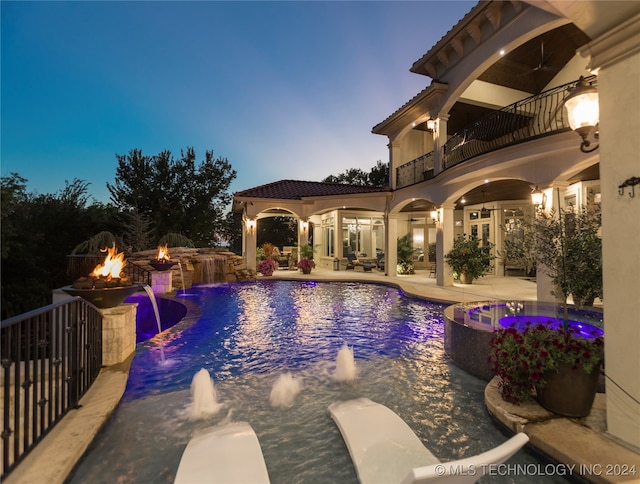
(534, 64)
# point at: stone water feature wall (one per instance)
(199, 265)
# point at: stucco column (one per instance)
(249, 241)
(303, 233)
(391, 252)
(444, 243)
(394, 157)
(439, 139)
(617, 55)
(544, 285)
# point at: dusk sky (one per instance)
(283, 90)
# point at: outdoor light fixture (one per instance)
(435, 215)
(537, 197)
(304, 225)
(583, 112)
(431, 124)
(250, 223)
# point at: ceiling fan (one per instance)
(543, 65)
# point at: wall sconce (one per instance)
(538, 197)
(304, 225)
(431, 124)
(250, 224)
(435, 216)
(583, 112)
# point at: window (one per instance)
(363, 236)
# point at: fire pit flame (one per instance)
(163, 253)
(162, 262)
(113, 264)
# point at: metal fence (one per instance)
(50, 357)
(530, 118)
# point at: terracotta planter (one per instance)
(465, 278)
(569, 392)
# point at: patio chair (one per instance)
(353, 262)
(227, 453)
(384, 449)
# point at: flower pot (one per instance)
(465, 278)
(569, 392)
(306, 271)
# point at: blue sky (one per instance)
(283, 90)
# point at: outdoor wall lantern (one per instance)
(304, 225)
(250, 223)
(431, 124)
(435, 215)
(583, 112)
(537, 197)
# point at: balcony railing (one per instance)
(50, 358)
(533, 117)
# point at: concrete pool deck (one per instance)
(580, 442)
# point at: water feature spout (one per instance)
(345, 365)
(184, 291)
(204, 396)
(154, 304)
(285, 390)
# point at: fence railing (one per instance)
(50, 357)
(530, 118)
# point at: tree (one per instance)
(280, 231)
(570, 252)
(177, 196)
(377, 177)
(38, 234)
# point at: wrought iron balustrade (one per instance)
(50, 357)
(533, 117)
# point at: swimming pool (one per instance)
(247, 335)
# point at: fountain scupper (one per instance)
(106, 286)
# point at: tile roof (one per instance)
(297, 190)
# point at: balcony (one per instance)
(530, 118)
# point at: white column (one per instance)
(444, 243)
(391, 250)
(303, 233)
(394, 161)
(249, 241)
(544, 285)
(439, 139)
(617, 55)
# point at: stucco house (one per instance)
(489, 128)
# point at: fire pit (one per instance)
(105, 287)
(162, 262)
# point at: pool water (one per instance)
(247, 335)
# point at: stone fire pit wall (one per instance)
(199, 266)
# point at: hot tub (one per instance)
(468, 327)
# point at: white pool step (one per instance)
(228, 454)
(384, 449)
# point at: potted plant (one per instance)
(468, 259)
(306, 265)
(540, 357)
(306, 262)
(267, 266)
